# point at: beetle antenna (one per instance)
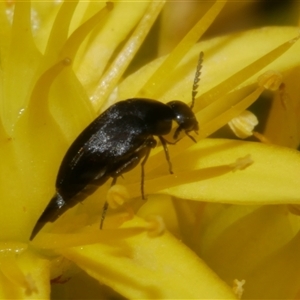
(197, 78)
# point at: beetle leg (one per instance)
(168, 142)
(126, 166)
(104, 210)
(151, 143)
(105, 206)
(144, 151)
(164, 144)
(129, 165)
(177, 132)
(143, 172)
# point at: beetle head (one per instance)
(184, 117)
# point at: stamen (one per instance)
(238, 287)
(154, 85)
(243, 125)
(123, 217)
(261, 137)
(230, 110)
(116, 69)
(156, 225)
(242, 163)
(117, 195)
(270, 80)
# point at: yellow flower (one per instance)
(223, 226)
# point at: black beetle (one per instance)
(113, 144)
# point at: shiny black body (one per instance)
(109, 143)
(114, 143)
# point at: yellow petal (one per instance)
(273, 269)
(256, 244)
(155, 84)
(232, 55)
(215, 179)
(100, 87)
(282, 124)
(140, 267)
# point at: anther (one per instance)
(156, 226)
